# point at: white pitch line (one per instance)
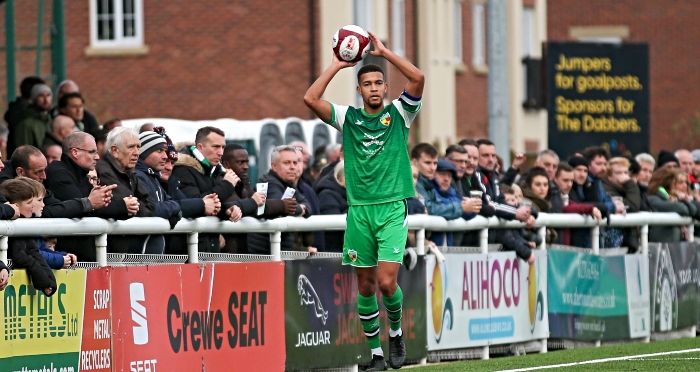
(602, 360)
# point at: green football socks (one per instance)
(369, 316)
(393, 311)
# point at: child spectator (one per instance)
(55, 260)
(512, 199)
(24, 252)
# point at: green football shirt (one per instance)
(375, 147)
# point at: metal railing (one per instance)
(100, 228)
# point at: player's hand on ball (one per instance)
(342, 64)
(379, 47)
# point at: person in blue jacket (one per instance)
(152, 160)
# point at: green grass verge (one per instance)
(667, 362)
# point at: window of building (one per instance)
(529, 32)
(457, 31)
(398, 27)
(116, 23)
(479, 34)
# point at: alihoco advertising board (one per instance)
(477, 300)
(222, 317)
(322, 325)
(674, 270)
(42, 333)
(598, 297)
(598, 95)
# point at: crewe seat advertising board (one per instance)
(192, 317)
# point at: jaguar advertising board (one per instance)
(674, 270)
(42, 333)
(598, 297)
(193, 317)
(322, 325)
(477, 300)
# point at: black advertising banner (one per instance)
(674, 276)
(322, 326)
(598, 95)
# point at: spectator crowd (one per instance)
(63, 164)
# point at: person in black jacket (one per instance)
(284, 171)
(67, 180)
(236, 158)
(200, 173)
(333, 199)
(28, 161)
(152, 160)
(317, 238)
(23, 251)
(130, 198)
(584, 191)
(16, 110)
(490, 179)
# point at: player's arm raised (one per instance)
(312, 98)
(415, 77)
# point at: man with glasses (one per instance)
(68, 180)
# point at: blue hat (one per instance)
(445, 165)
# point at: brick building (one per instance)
(255, 59)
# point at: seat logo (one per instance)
(138, 313)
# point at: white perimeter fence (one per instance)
(100, 228)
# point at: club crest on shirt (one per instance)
(385, 119)
(352, 254)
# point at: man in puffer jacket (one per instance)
(152, 159)
(200, 173)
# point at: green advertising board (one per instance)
(321, 322)
(597, 297)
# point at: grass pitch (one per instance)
(687, 361)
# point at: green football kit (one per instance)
(378, 179)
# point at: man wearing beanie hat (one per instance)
(153, 157)
(36, 122)
(668, 160)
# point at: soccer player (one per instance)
(378, 181)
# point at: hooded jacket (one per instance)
(333, 199)
(32, 129)
(260, 243)
(24, 254)
(197, 180)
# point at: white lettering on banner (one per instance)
(94, 359)
(101, 329)
(101, 297)
(589, 270)
(313, 338)
(148, 365)
(604, 301)
(50, 368)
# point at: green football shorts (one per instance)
(375, 233)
